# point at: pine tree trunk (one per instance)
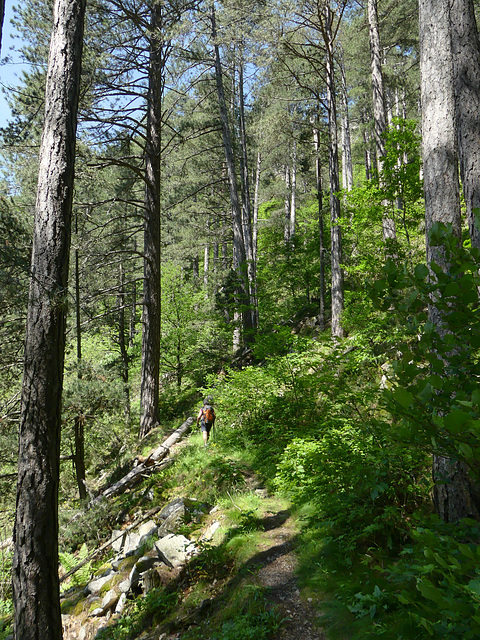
(288, 197)
(321, 247)
(293, 192)
(122, 342)
(35, 580)
(336, 232)
(2, 17)
(150, 379)
(347, 164)
(256, 204)
(206, 267)
(239, 256)
(80, 474)
(466, 65)
(246, 206)
(378, 97)
(454, 493)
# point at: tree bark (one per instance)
(79, 437)
(239, 256)
(122, 343)
(2, 17)
(293, 193)
(454, 494)
(347, 163)
(378, 98)
(35, 565)
(246, 204)
(150, 381)
(336, 232)
(466, 66)
(321, 244)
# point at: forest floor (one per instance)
(272, 566)
(277, 572)
(254, 553)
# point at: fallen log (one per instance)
(138, 472)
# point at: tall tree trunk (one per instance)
(122, 342)
(466, 65)
(256, 204)
(336, 232)
(150, 381)
(79, 459)
(246, 205)
(79, 439)
(36, 594)
(288, 197)
(378, 97)
(453, 491)
(293, 192)
(318, 178)
(2, 17)
(347, 164)
(239, 256)
(206, 267)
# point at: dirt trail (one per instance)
(278, 573)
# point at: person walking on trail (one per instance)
(206, 417)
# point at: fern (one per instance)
(69, 561)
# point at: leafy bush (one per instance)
(437, 580)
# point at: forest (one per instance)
(273, 206)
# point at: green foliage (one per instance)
(396, 194)
(143, 612)
(437, 580)
(69, 561)
(288, 274)
(262, 625)
(434, 395)
(192, 341)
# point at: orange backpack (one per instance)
(208, 414)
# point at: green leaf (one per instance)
(431, 592)
(466, 550)
(455, 420)
(474, 586)
(403, 397)
(421, 271)
(466, 450)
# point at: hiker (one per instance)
(206, 417)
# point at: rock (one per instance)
(151, 580)
(119, 540)
(210, 532)
(132, 544)
(121, 603)
(146, 531)
(145, 563)
(96, 612)
(174, 550)
(171, 516)
(124, 586)
(110, 600)
(133, 577)
(94, 587)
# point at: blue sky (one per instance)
(11, 70)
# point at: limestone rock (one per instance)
(110, 600)
(146, 530)
(94, 587)
(174, 550)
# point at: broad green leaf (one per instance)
(403, 397)
(474, 586)
(455, 421)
